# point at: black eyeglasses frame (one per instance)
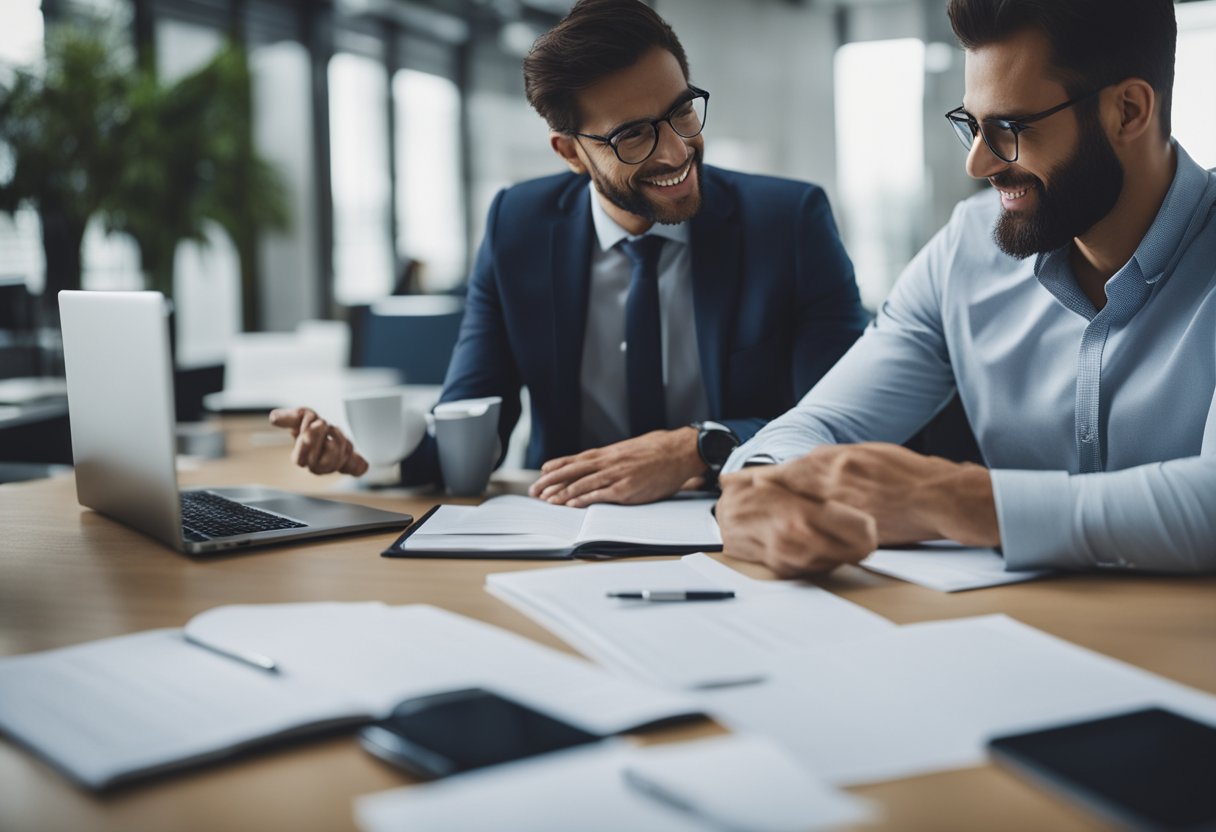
(959, 116)
(697, 92)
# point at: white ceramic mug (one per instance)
(384, 429)
(466, 432)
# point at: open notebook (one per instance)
(522, 527)
(117, 709)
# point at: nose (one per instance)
(981, 161)
(672, 149)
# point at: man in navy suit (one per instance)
(658, 311)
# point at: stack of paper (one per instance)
(729, 783)
(927, 697)
(119, 708)
(691, 644)
(946, 567)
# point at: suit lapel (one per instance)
(570, 262)
(717, 243)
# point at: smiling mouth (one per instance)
(1013, 195)
(671, 181)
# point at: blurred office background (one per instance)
(392, 123)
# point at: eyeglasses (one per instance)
(1001, 134)
(635, 142)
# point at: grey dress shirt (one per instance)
(1099, 426)
(605, 397)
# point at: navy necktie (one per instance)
(644, 338)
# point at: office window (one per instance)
(282, 133)
(21, 256)
(1194, 116)
(430, 196)
(22, 33)
(880, 157)
(358, 130)
(109, 261)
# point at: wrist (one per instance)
(687, 453)
(963, 507)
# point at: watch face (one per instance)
(716, 446)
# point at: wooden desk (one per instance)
(68, 575)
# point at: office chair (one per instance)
(414, 334)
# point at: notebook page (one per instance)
(138, 702)
(668, 523)
(509, 514)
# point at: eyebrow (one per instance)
(683, 97)
(996, 117)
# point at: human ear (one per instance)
(567, 148)
(1136, 105)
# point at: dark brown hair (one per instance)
(597, 38)
(1094, 43)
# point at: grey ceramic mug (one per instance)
(466, 432)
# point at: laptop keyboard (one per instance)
(206, 516)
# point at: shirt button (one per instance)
(624, 346)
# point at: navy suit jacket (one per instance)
(773, 294)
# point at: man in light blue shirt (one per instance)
(1073, 308)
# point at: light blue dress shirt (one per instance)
(1099, 426)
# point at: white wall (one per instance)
(768, 67)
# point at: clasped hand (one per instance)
(838, 503)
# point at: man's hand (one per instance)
(639, 470)
(320, 447)
(910, 496)
(792, 535)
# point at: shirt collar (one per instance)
(1157, 248)
(609, 233)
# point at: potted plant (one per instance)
(60, 128)
(189, 158)
(89, 133)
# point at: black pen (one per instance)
(675, 594)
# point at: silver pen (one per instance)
(674, 594)
(250, 658)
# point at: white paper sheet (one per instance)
(386, 654)
(747, 782)
(134, 704)
(586, 789)
(140, 702)
(947, 567)
(686, 645)
(926, 697)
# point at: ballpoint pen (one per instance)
(252, 659)
(674, 594)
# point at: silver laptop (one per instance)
(120, 403)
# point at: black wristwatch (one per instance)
(715, 442)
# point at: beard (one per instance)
(631, 198)
(1083, 190)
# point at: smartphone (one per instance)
(1149, 769)
(445, 733)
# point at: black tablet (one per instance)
(1149, 769)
